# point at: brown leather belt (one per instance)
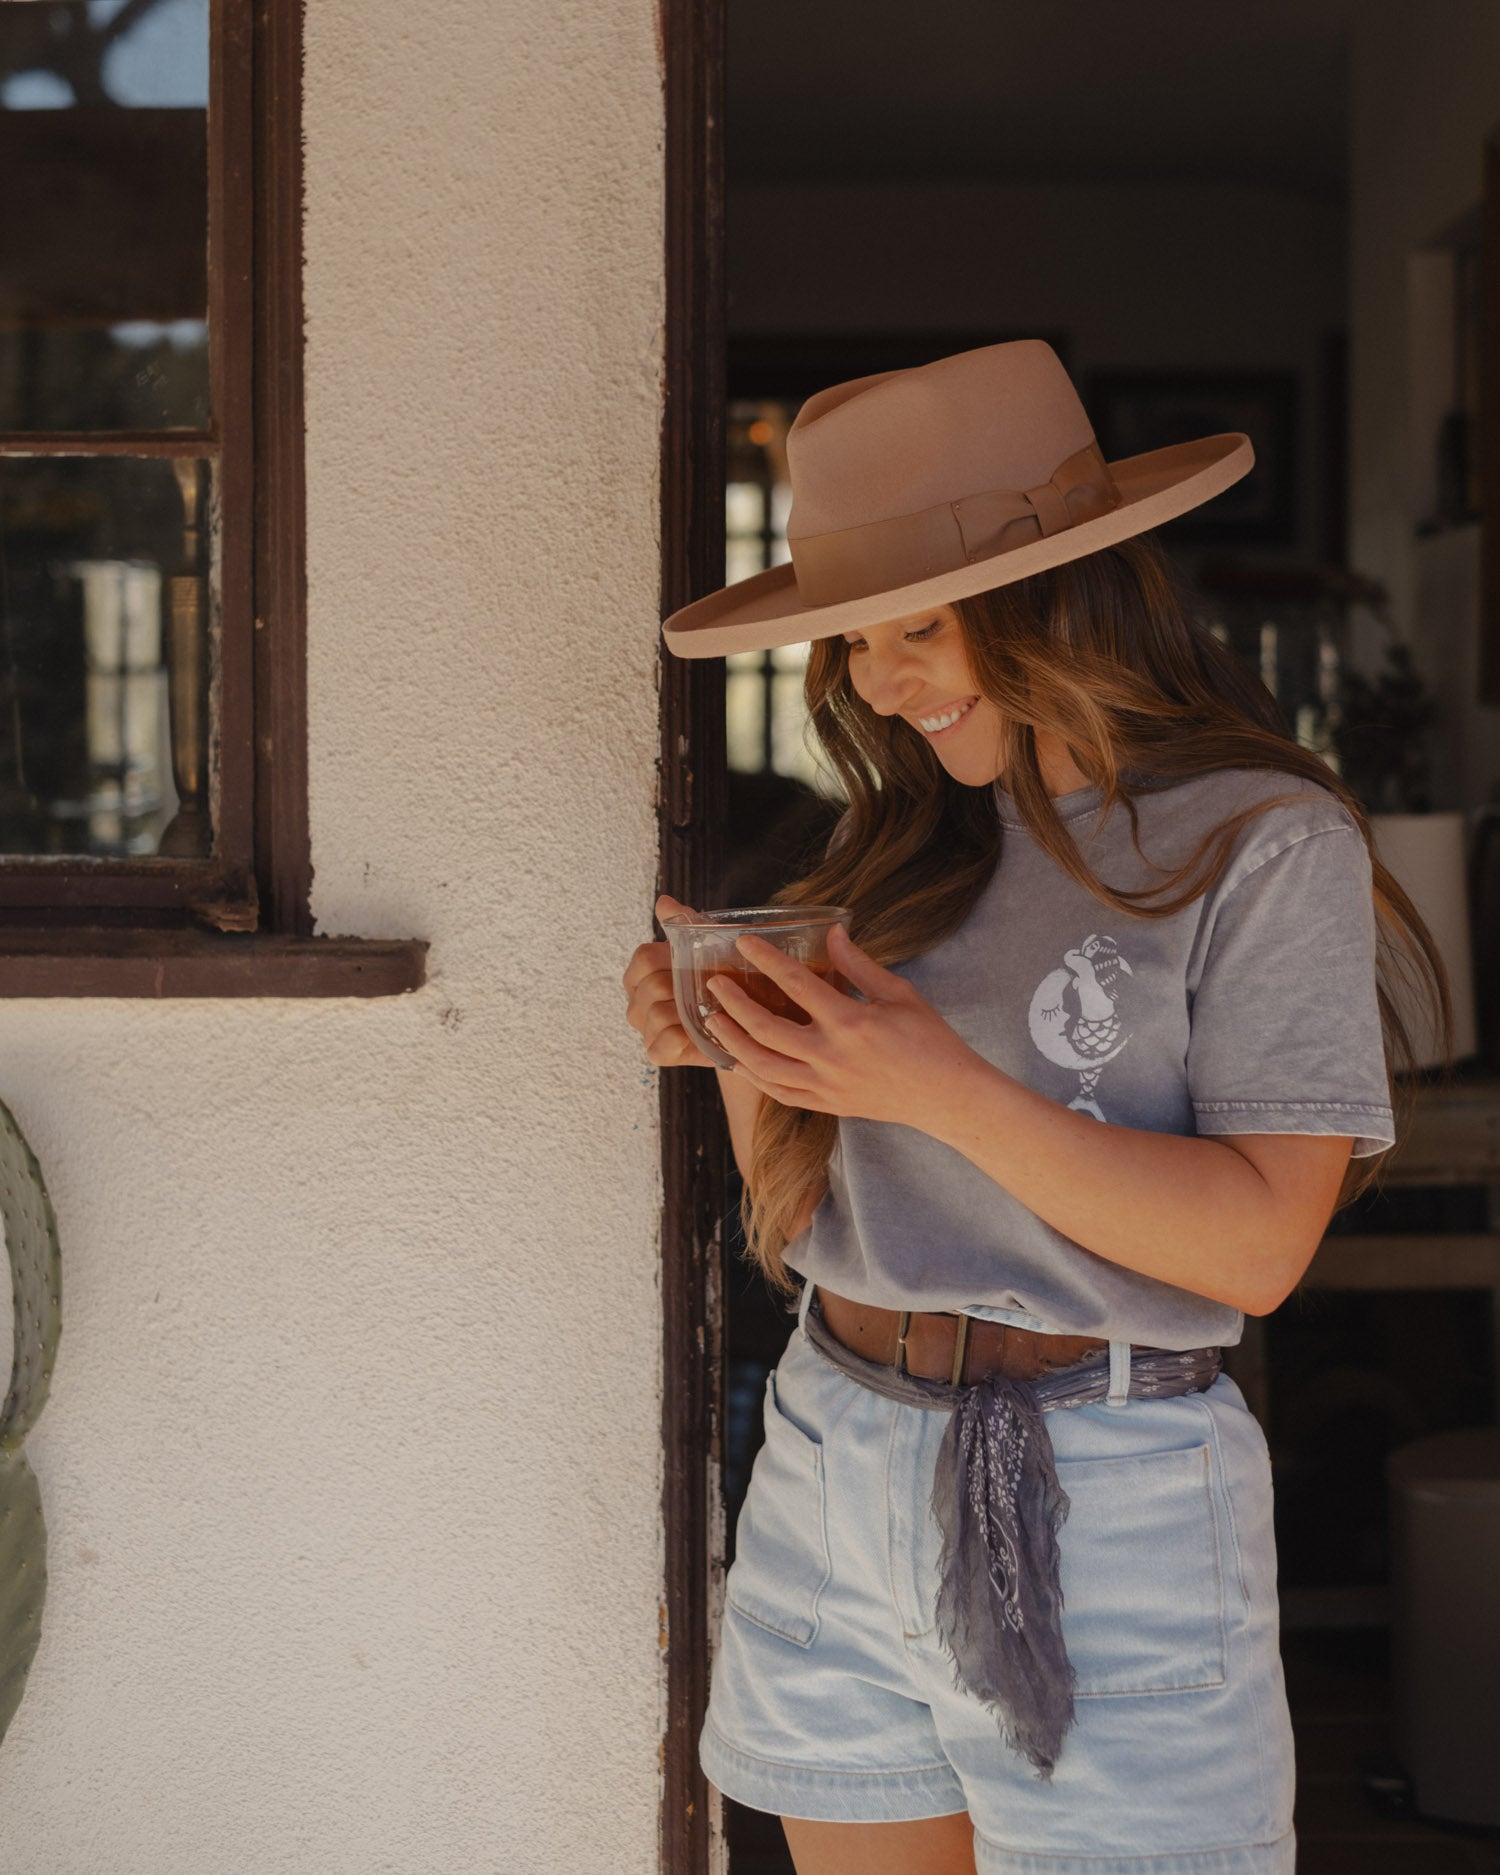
(943, 1345)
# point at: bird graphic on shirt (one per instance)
(1075, 1018)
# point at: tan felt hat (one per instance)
(912, 488)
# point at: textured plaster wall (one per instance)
(1425, 95)
(352, 1458)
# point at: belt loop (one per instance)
(1119, 1373)
(805, 1305)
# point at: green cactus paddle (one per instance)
(36, 1285)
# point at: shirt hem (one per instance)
(1372, 1128)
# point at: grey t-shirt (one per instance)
(1251, 1011)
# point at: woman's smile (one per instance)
(918, 668)
(944, 721)
(905, 667)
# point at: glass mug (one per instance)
(704, 947)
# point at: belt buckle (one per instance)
(960, 1343)
(960, 1347)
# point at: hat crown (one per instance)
(999, 417)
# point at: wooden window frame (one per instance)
(1489, 432)
(691, 798)
(238, 923)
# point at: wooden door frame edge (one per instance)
(690, 805)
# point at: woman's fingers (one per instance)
(658, 1019)
(645, 961)
(675, 1048)
(804, 986)
(871, 979)
(651, 1009)
(669, 907)
(776, 1032)
(765, 1070)
(767, 1062)
(659, 1016)
(668, 1044)
(645, 987)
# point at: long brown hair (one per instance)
(1102, 652)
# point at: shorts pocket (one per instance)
(1142, 1577)
(781, 1562)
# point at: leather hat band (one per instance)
(855, 562)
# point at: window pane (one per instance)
(745, 721)
(742, 559)
(790, 751)
(744, 509)
(765, 718)
(103, 215)
(781, 513)
(105, 627)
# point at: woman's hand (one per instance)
(883, 1059)
(650, 1005)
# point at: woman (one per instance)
(1004, 1594)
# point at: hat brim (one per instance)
(762, 612)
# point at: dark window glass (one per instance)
(103, 215)
(107, 620)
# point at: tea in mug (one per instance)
(705, 947)
(768, 992)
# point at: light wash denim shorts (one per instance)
(833, 1699)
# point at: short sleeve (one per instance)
(1285, 1032)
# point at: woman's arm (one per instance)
(651, 1009)
(1236, 1219)
(741, 1105)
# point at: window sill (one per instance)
(98, 961)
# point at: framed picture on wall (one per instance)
(1134, 411)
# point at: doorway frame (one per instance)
(690, 803)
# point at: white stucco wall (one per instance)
(1425, 95)
(351, 1464)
